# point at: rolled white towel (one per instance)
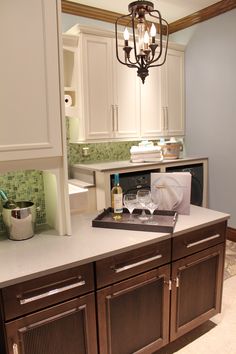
(144, 149)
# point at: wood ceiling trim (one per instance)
(109, 16)
(95, 13)
(202, 15)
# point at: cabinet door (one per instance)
(197, 289)
(126, 98)
(68, 328)
(97, 108)
(30, 102)
(152, 112)
(133, 315)
(173, 93)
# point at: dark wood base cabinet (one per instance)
(141, 314)
(68, 328)
(139, 301)
(197, 290)
(133, 315)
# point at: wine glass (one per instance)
(144, 198)
(152, 206)
(130, 202)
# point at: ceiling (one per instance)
(171, 10)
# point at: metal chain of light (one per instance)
(148, 50)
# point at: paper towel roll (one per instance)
(68, 101)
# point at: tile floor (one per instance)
(217, 336)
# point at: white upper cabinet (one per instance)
(95, 86)
(126, 98)
(30, 100)
(173, 93)
(162, 98)
(108, 92)
(151, 105)
(111, 103)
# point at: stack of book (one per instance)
(148, 153)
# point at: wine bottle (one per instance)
(117, 199)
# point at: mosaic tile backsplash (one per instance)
(109, 151)
(25, 185)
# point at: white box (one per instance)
(172, 191)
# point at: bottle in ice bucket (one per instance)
(117, 199)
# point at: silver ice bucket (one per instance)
(20, 221)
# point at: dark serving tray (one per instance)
(165, 221)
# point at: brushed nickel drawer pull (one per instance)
(51, 292)
(202, 241)
(15, 348)
(133, 265)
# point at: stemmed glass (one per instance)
(130, 202)
(144, 198)
(152, 206)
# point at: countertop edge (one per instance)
(46, 253)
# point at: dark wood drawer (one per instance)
(127, 264)
(35, 294)
(198, 240)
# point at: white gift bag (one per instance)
(172, 191)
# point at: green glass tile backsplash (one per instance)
(25, 185)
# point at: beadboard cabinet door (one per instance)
(30, 100)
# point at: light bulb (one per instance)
(146, 40)
(153, 33)
(153, 30)
(126, 34)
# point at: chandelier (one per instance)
(149, 37)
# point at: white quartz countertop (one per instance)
(46, 252)
(117, 165)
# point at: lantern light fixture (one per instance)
(149, 33)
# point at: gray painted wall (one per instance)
(211, 105)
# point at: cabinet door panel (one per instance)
(30, 102)
(133, 315)
(173, 93)
(196, 295)
(151, 105)
(126, 98)
(97, 79)
(66, 328)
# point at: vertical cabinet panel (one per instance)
(173, 93)
(30, 103)
(162, 98)
(151, 105)
(69, 328)
(126, 98)
(197, 290)
(96, 74)
(125, 307)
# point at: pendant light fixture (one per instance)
(145, 38)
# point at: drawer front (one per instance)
(127, 264)
(198, 240)
(41, 292)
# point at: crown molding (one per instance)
(95, 13)
(202, 15)
(185, 22)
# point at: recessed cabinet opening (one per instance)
(39, 187)
(69, 64)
